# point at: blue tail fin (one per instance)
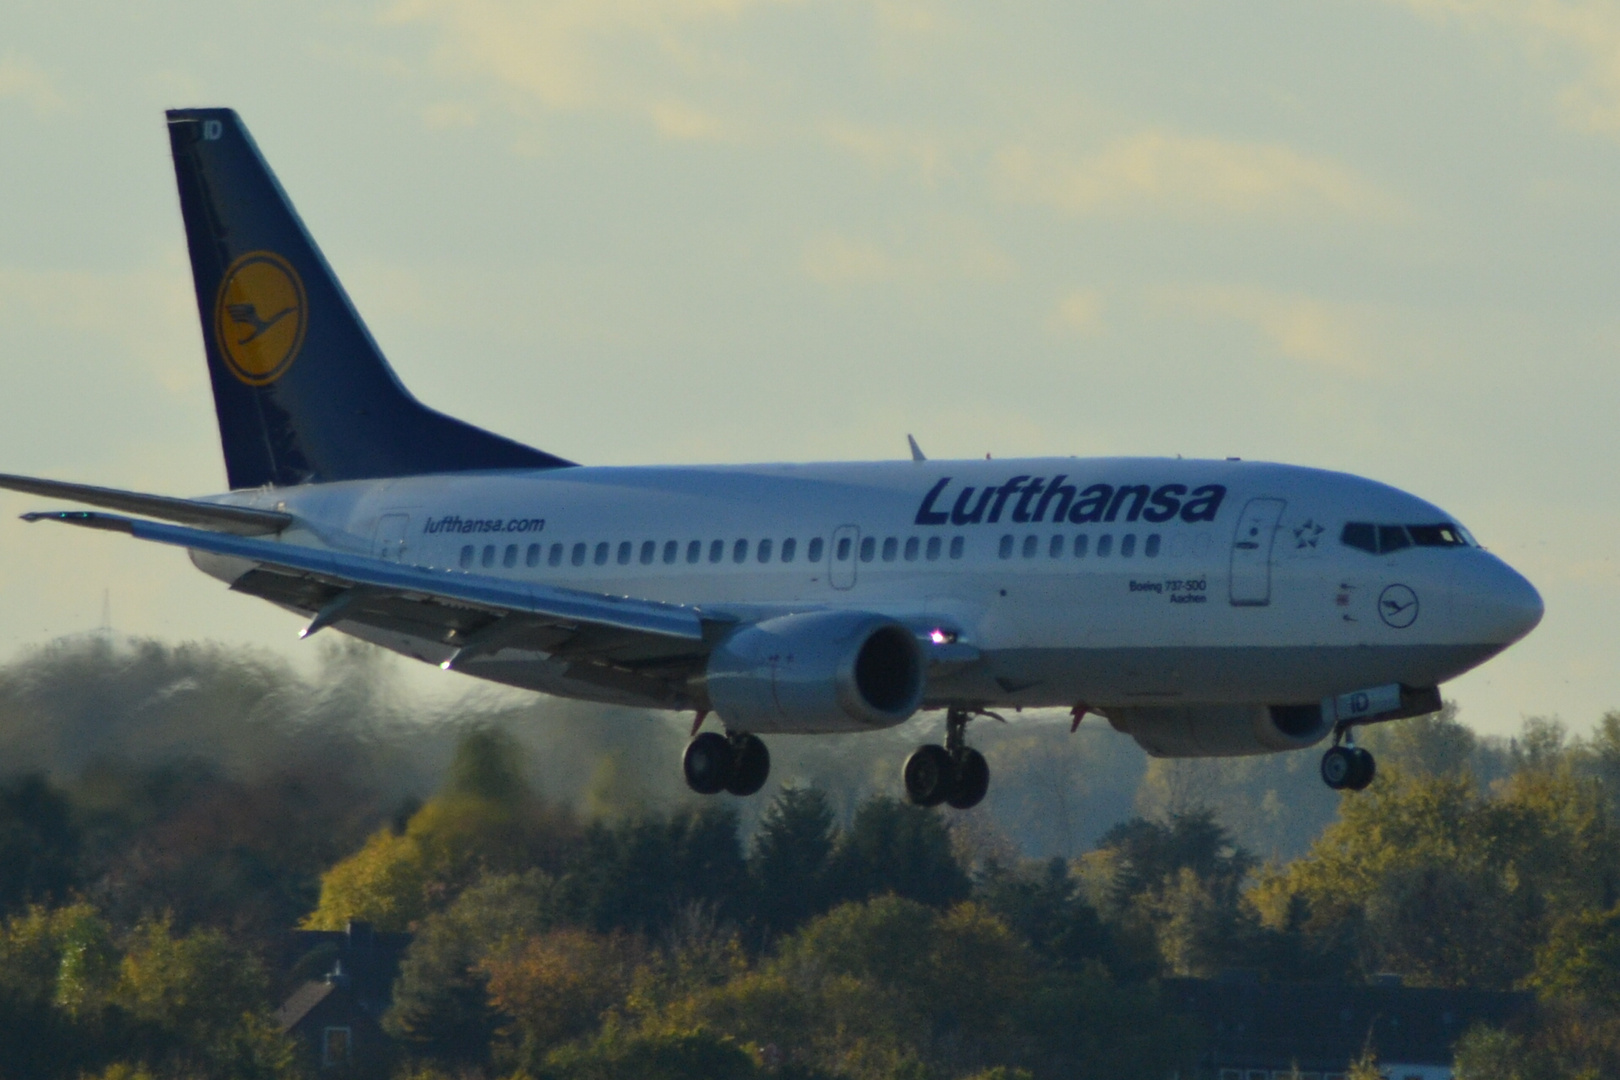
(302, 392)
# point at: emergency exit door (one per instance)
(389, 542)
(1251, 552)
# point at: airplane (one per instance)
(1203, 607)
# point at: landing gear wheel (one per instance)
(708, 763)
(750, 765)
(1338, 767)
(929, 775)
(972, 780)
(1366, 768)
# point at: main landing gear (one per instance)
(1347, 767)
(735, 762)
(955, 773)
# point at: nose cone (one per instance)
(1498, 604)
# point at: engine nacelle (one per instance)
(1222, 730)
(817, 671)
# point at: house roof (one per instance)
(301, 1003)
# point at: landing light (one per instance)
(942, 637)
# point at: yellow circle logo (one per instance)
(260, 317)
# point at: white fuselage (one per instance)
(1118, 589)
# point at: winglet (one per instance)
(916, 451)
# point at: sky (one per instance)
(1380, 236)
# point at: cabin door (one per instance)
(389, 542)
(1251, 552)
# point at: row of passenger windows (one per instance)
(1059, 545)
(714, 551)
(1382, 539)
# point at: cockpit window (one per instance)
(1436, 536)
(1392, 538)
(1383, 539)
(1360, 534)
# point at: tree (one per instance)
(894, 847)
(442, 1004)
(790, 858)
(39, 845)
(558, 986)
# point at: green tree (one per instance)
(39, 845)
(894, 847)
(791, 854)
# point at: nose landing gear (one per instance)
(955, 774)
(736, 763)
(1347, 767)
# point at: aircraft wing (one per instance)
(241, 520)
(638, 648)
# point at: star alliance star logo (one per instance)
(1306, 533)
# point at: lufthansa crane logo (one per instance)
(1398, 607)
(259, 317)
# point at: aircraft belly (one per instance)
(1037, 677)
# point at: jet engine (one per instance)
(1222, 730)
(817, 671)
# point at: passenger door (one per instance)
(1251, 552)
(389, 542)
(841, 559)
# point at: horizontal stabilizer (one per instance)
(241, 520)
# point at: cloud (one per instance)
(1590, 31)
(23, 80)
(1320, 334)
(626, 56)
(950, 252)
(1080, 312)
(1158, 170)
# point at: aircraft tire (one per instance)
(929, 775)
(708, 763)
(1339, 767)
(750, 765)
(1365, 769)
(972, 780)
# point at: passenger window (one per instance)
(1006, 547)
(511, 556)
(814, 552)
(764, 552)
(602, 553)
(1151, 548)
(1392, 538)
(579, 554)
(694, 551)
(1360, 535)
(1032, 543)
(957, 545)
(649, 552)
(891, 548)
(555, 558)
(672, 548)
(843, 549)
(868, 548)
(739, 551)
(933, 548)
(790, 548)
(912, 547)
(1127, 545)
(717, 550)
(1105, 544)
(489, 555)
(1080, 546)
(1055, 548)
(467, 557)
(532, 556)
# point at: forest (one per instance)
(169, 813)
